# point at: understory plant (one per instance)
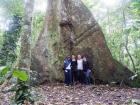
(21, 88)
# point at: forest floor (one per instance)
(58, 94)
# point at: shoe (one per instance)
(66, 85)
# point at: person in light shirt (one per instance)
(80, 69)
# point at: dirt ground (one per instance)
(59, 94)
(89, 95)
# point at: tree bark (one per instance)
(71, 29)
(47, 52)
(25, 50)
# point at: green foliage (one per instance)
(14, 11)
(1, 38)
(92, 4)
(135, 8)
(21, 75)
(112, 21)
(21, 88)
(10, 38)
(37, 22)
(13, 7)
(16, 73)
(8, 48)
(22, 93)
(4, 71)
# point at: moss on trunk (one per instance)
(72, 29)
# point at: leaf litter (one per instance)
(58, 94)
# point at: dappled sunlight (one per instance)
(40, 6)
(110, 3)
(2, 19)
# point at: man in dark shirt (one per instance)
(67, 71)
(87, 71)
(74, 68)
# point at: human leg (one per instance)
(66, 77)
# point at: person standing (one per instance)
(67, 71)
(86, 70)
(80, 69)
(74, 68)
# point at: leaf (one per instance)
(4, 71)
(19, 94)
(21, 75)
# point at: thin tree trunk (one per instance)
(126, 43)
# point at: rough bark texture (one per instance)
(71, 29)
(46, 54)
(25, 50)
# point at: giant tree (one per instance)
(70, 28)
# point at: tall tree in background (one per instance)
(71, 28)
(25, 50)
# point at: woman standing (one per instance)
(74, 68)
(80, 69)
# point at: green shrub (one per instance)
(21, 88)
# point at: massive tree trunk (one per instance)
(71, 29)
